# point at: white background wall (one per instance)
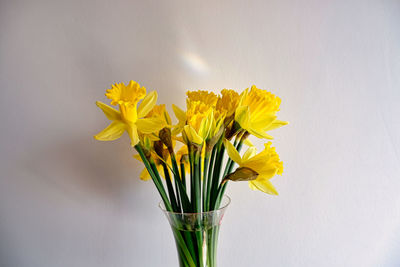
(68, 200)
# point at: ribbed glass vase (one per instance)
(196, 235)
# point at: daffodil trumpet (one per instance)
(185, 159)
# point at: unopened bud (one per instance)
(158, 148)
(165, 137)
(241, 174)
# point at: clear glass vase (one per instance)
(196, 235)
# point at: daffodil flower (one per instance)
(256, 112)
(227, 103)
(158, 113)
(266, 164)
(197, 121)
(129, 118)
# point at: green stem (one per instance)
(182, 244)
(230, 162)
(197, 184)
(183, 175)
(157, 183)
(192, 179)
(170, 188)
(178, 182)
(209, 177)
(205, 171)
(222, 187)
(216, 173)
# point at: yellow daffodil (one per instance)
(197, 121)
(266, 164)
(227, 103)
(256, 112)
(129, 118)
(159, 111)
(159, 114)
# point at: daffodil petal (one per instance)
(179, 113)
(178, 138)
(167, 118)
(112, 132)
(263, 122)
(242, 116)
(243, 96)
(133, 134)
(150, 125)
(263, 185)
(192, 134)
(206, 124)
(217, 127)
(177, 130)
(260, 134)
(276, 124)
(232, 152)
(265, 170)
(144, 175)
(111, 113)
(250, 152)
(147, 104)
(247, 142)
(138, 157)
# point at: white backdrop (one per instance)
(68, 200)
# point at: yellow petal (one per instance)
(277, 124)
(147, 104)
(216, 127)
(250, 152)
(167, 118)
(243, 96)
(266, 170)
(247, 142)
(150, 125)
(242, 116)
(178, 138)
(192, 135)
(112, 132)
(177, 130)
(111, 113)
(138, 157)
(153, 137)
(263, 122)
(205, 125)
(263, 185)
(128, 112)
(121, 93)
(179, 113)
(144, 175)
(133, 134)
(260, 134)
(232, 152)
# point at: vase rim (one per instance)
(223, 207)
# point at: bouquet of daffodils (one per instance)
(185, 159)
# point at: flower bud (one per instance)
(165, 137)
(241, 174)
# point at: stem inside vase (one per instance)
(196, 235)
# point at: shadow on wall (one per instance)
(83, 169)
